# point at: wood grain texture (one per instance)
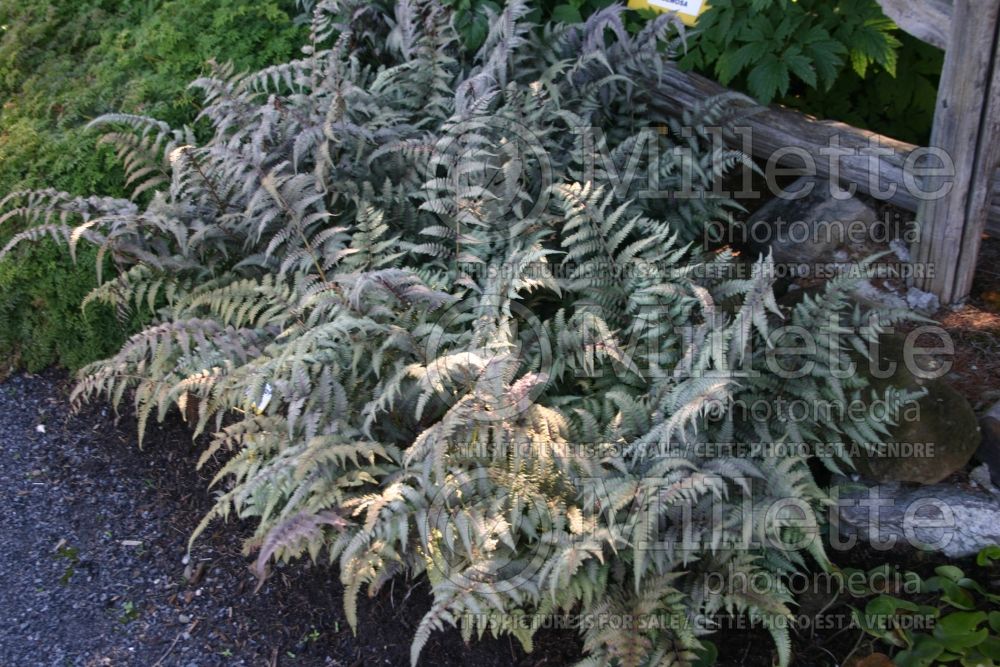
(927, 20)
(967, 126)
(773, 129)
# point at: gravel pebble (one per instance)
(94, 556)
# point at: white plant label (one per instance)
(690, 7)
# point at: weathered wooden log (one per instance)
(927, 20)
(784, 135)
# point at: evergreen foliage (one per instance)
(64, 62)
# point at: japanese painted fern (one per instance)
(428, 339)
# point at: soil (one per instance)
(93, 572)
(93, 568)
(975, 328)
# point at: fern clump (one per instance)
(429, 340)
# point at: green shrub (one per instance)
(40, 291)
(842, 60)
(64, 63)
(427, 340)
(899, 105)
(472, 17)
(769, 43)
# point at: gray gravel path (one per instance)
(93, 533)
(91, 569)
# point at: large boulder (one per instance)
(936, 437)
(810, 228)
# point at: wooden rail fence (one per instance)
(966, 127)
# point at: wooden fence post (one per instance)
(967, 127)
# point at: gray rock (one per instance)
(871, 296)
(810, 228)
(946, 518)
(900, 249)
(934, 438)
(887, 296)
(921, 301)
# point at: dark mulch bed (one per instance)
(92, 572)
(94, 532)
(975, 328)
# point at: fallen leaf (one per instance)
(873, 660)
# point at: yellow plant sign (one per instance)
(687, 10)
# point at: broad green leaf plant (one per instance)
(768, 44)
(961, 622)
